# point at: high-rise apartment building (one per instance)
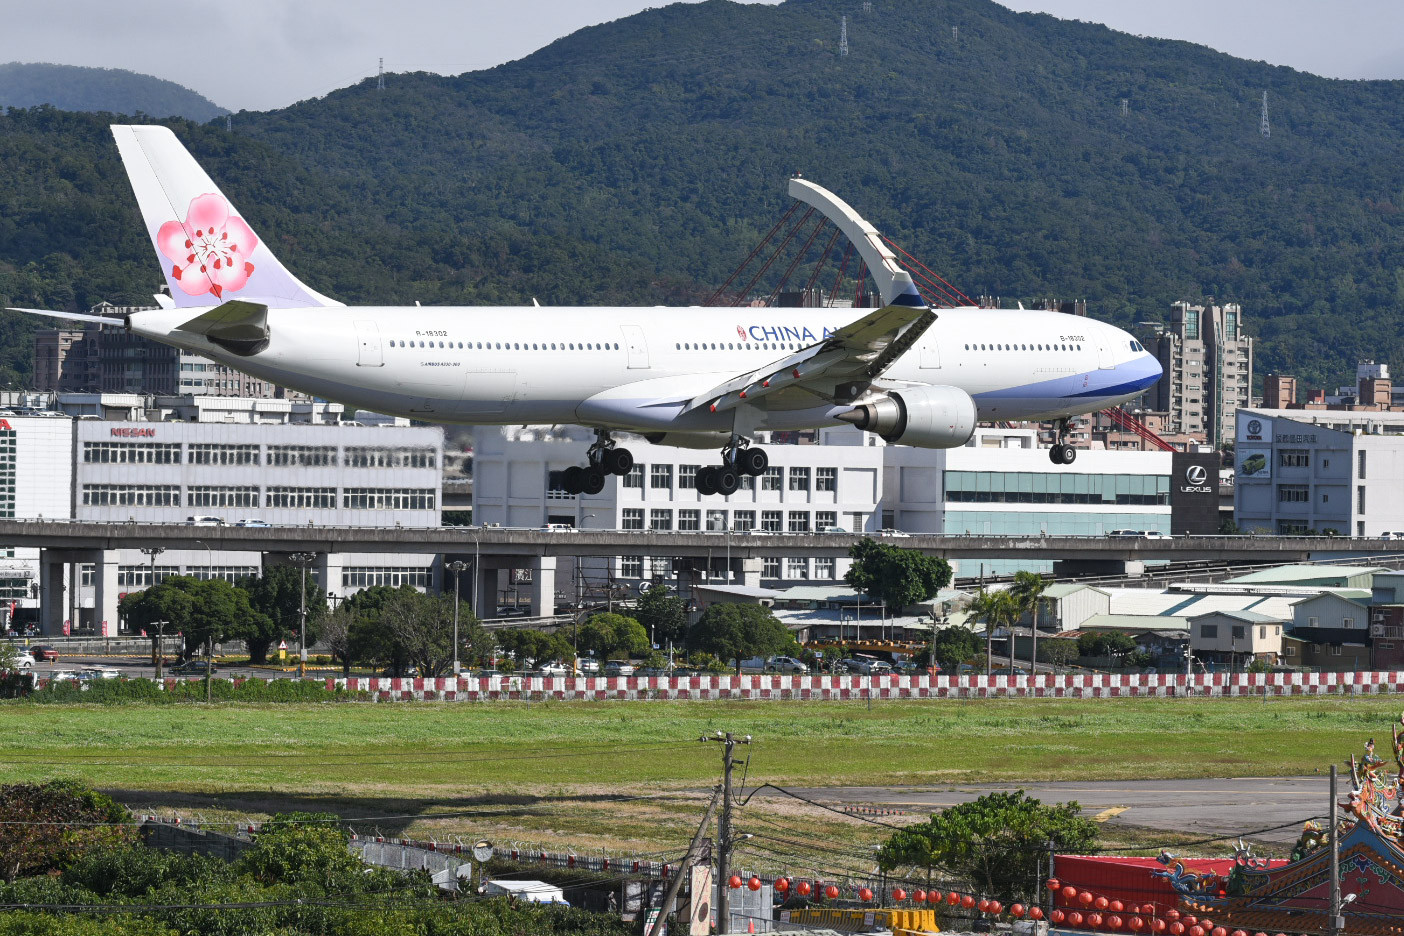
(1208, 362)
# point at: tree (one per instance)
(951, 646)
(1058, 653)
(31, 839)
(663, 614)
(1028, 589)
(336, 632)
(1105, 644)
(997, 609)
(202, 610)
(535, 645)
(277, 595)
(614, 635)
(995, 842)
(900, 577)
(738, 631)
(158, 611)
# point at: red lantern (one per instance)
(1147, 909)
(803, 888)
(865, 894)
(1085, 898)
(919, 896)
(1069, 893)
(1189, 919)
(1056, 916)
(967, 901)
(1116, 906)
(1220, 931)
(1101, 903)
(1036, 913)
(1054, 884)
(984, 905)
(898, 894)
(782, 885)
(952, 898)
(1196, 930)
(1177, 928)
(1114, 922)
(1094, 919)
(1135, 923)
(734, 881)
(832, 891)
(1074, 918)
(754, 883)
(995, 907)
(1172, 915)
(1206, 923)
(1016, 910)
(1239, 933)
(1157, 926)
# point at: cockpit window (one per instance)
(1136, 346)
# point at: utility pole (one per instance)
(728, 743)
(1263, 126)
(1337, 921)
(688, 859)
(302, 558)
(457, 567)
(158, 650)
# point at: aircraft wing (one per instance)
(72, 316)
(856, 353)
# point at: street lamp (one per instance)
(158, 650)
(302, 559)
(458, 565)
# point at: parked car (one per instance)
(619, 668)
(100, 672)
(24, 660)
(45, 654)
(554, 669)
(194, 668)
(686, 671)
(906, 667)
(590, 667)
(62, 676)
(655, 671)
(868, 667)
(1009, 671)
(1394, 535)
(785, 664)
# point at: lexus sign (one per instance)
(1194, 493)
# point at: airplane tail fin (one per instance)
(206, 250)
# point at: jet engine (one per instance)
(925, 417)
(689, 440)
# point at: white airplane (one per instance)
(696, 377)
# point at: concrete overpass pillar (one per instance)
(747, 571)
(105, 593)
(543, 586)
(51, 593)
(329, 572)
(483, 592)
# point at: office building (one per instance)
(1322, 470)
(1208, 362)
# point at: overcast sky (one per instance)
(263, 54)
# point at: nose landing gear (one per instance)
(1060, 453)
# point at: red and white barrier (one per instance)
(763, 687)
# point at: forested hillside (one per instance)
(69, 87)
(640, 160)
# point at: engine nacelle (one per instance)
(926, 417)
(689, 440)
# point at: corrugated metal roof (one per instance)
(1063, 589)
(1303, 573)
(1249, 617)
(1143, 622)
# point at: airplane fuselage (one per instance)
(630, 368)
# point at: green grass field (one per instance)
(559, 767)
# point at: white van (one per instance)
(204, 521)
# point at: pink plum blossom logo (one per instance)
(210, 250)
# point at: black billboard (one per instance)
(1194, 493)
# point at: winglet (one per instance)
(894, 283)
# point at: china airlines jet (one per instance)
(694, 377)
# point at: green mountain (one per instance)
(640, 160)
(112, 90)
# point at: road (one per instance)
(1234, 806)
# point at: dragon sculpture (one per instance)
(1376, 799)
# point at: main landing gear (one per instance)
(1061, 453)
(738, 459)
(605, 458)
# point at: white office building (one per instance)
(1323, 470)
(256, 466)
(1000, 483)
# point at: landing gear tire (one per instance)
(1055, 453)
(752, 461)
(706, 480)
(728, 480)
(1069, 454)
(1062, 454)
(573, 480)
(592, 480)
(617, 461)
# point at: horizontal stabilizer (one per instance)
(73, 316)
(237, 326)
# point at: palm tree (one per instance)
(1028, 589)
(994, 608)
